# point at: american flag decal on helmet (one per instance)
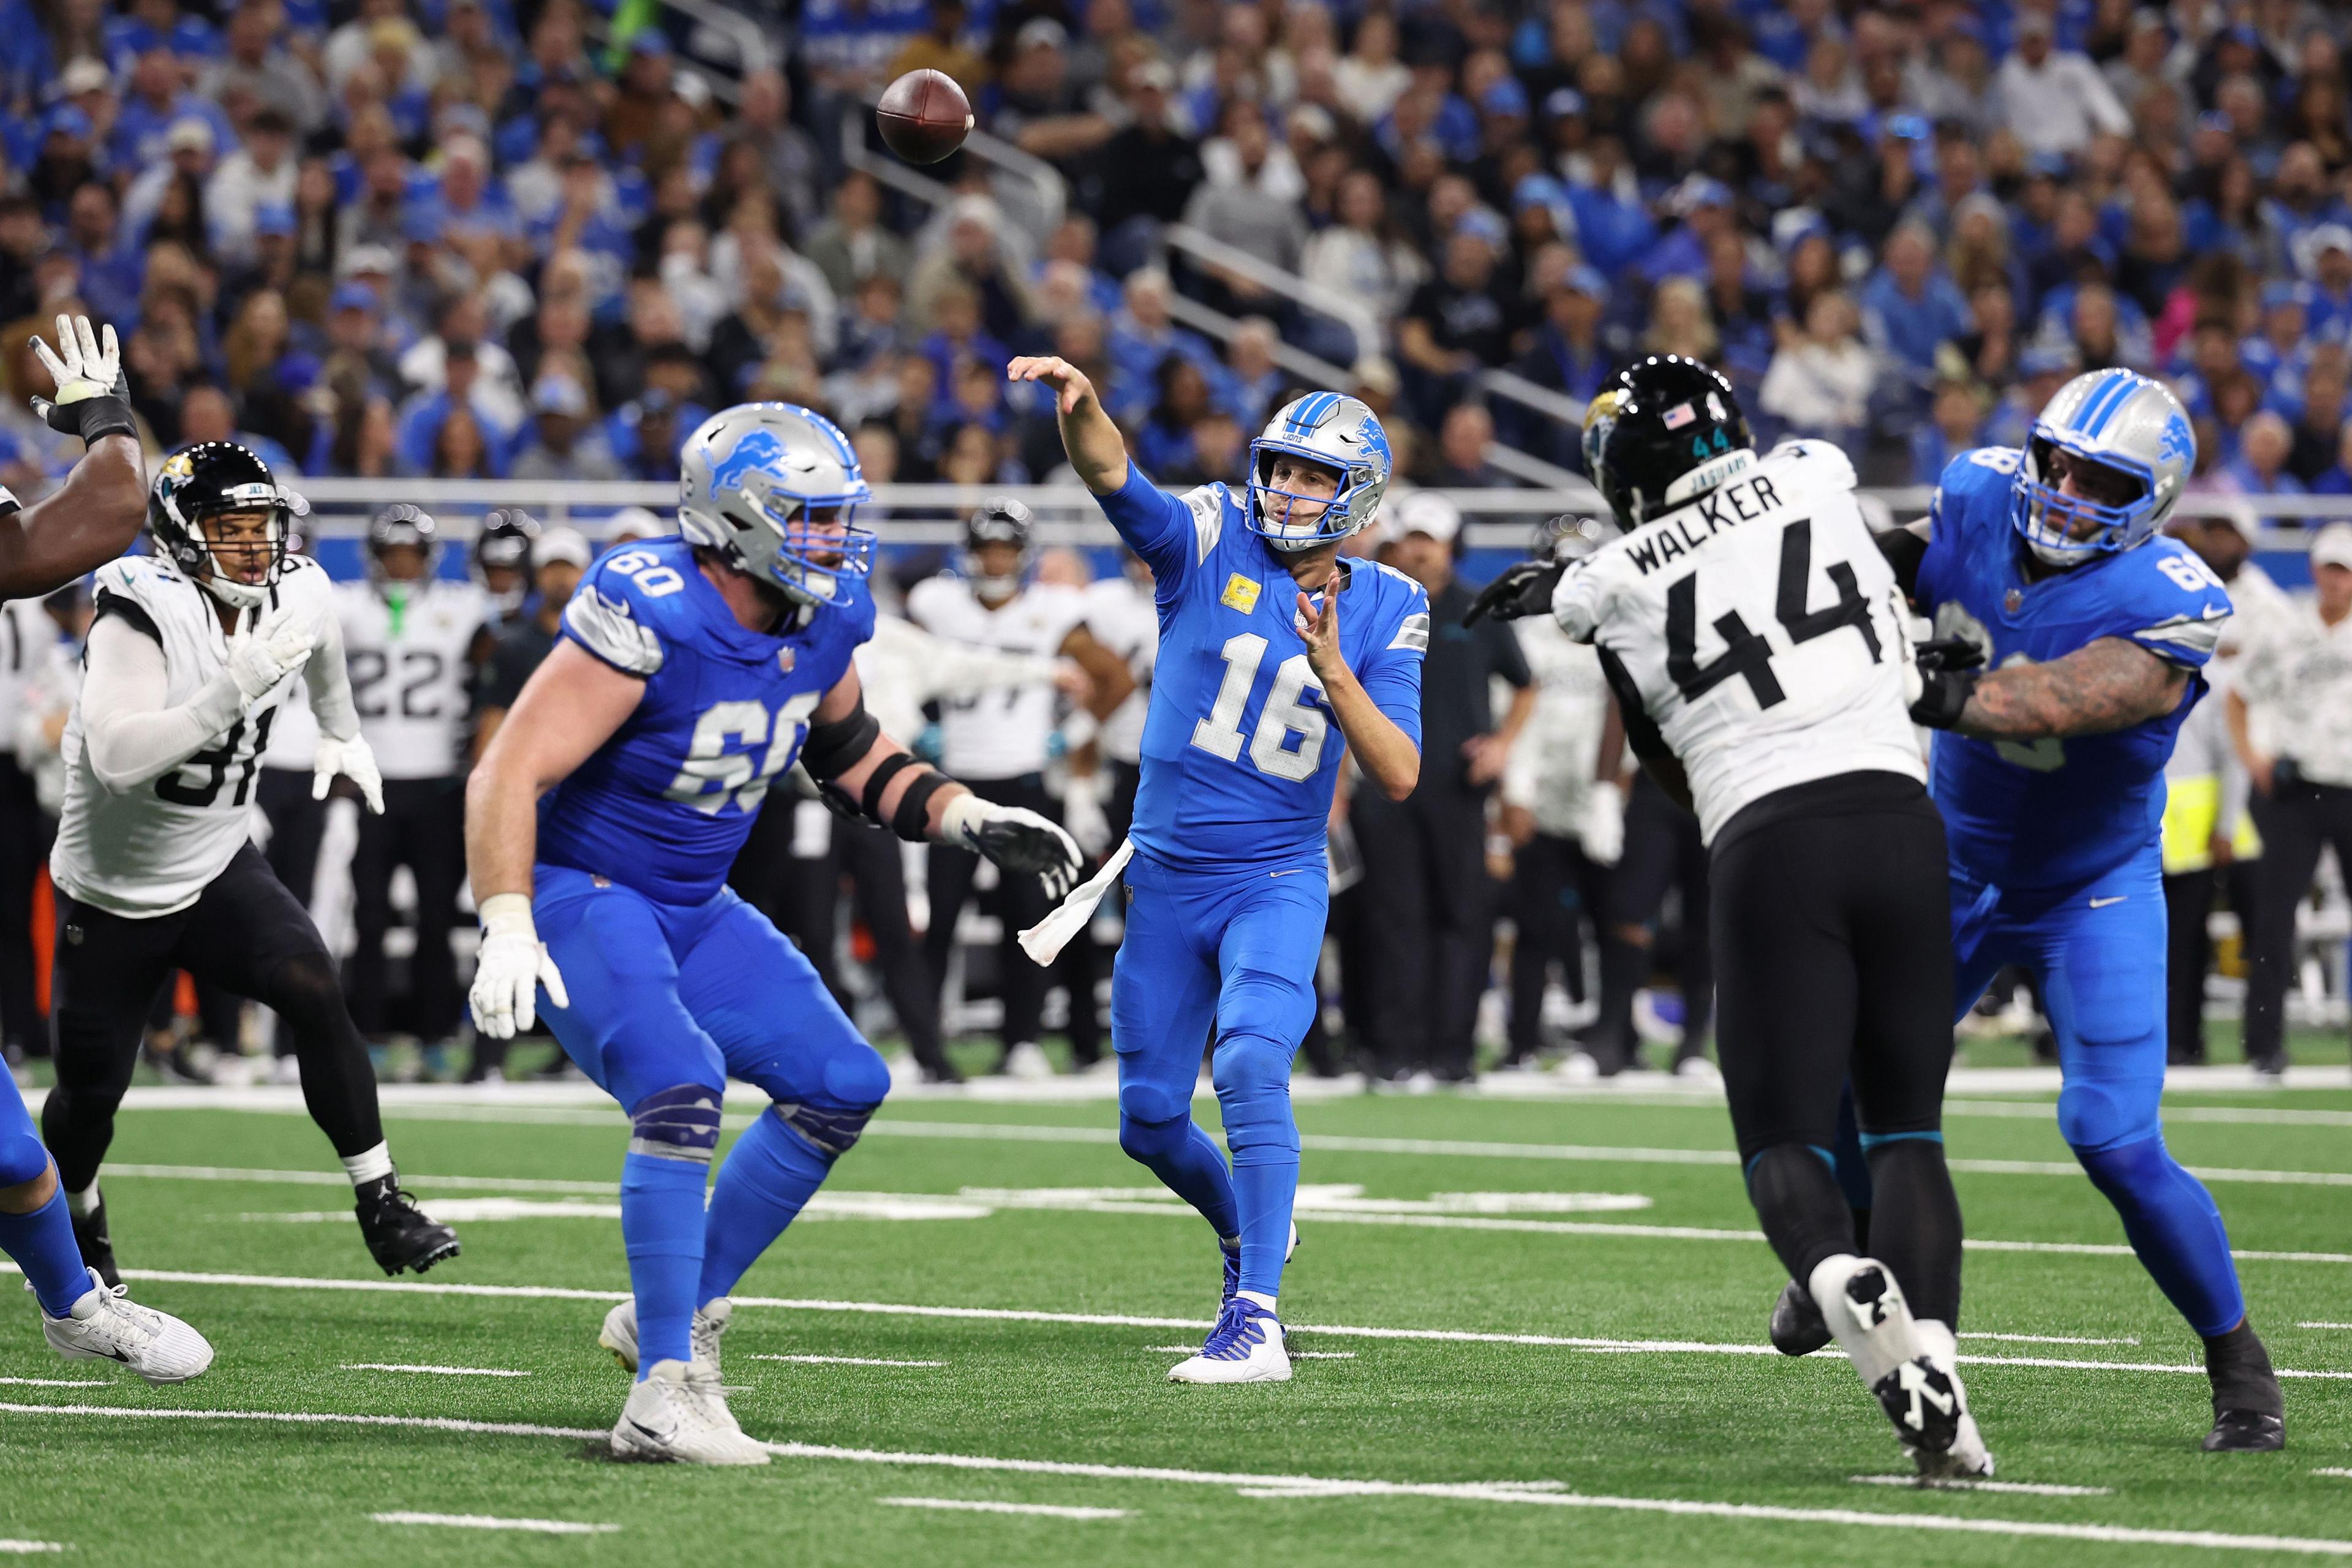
(1680, 414)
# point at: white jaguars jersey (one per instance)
(153, 850)
(1760, 631)
(1551, 769)
(410, 678)
(1125, 620)
(26, 638)
(1004, 732)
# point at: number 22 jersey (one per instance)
(2055, 813)
(665, 804)
(1757, 630)
(1240, 752)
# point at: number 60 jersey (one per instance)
(665, 804)
(152, 849)
(1756, 632)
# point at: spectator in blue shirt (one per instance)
(1956, 424)
(1910, 308)
(112, 271)
(1613, 227)
(155, 108)
(2260, 468)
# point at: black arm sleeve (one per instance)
(1641, 731)
(832, 750)
(1903, 551)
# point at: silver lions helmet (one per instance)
(1338, 433)
(774, 488)
(2125, 442)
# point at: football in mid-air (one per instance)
(924, 116)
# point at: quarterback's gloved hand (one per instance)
(1948, 670)
(1522, 589)
(93, 397)
(355, 760)
(1600, 831)
(258, 660)
(510, 968)
(1014, 838)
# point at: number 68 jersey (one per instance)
(665, 804)
(1756, 632)
(152, 849)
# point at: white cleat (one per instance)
(619, 1334)
(678, 1415)
(1245, 1346)
(1966, 1459)
(1908, 1365)
(106, 1325)
(1027, 1060)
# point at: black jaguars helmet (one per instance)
(397, 524)
(1001, 519)
(504, 544)
(211, 480)
(1651, 430)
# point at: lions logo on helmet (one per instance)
(774, 488)
(1341, 434)
(2126, 443)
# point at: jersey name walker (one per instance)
(153, 850)
(666, 802)
(2055, 813)
(1005, 733)
(1241, 753)
(1758, 629)
(406, 645)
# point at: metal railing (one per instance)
(1210, 251)
(752, 50)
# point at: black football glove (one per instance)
(1948, 670)
(1523, 589)
(1017, 839)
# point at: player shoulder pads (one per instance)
(611, 616)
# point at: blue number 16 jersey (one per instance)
(664, 805)
(2055, 813)
(1240, 752)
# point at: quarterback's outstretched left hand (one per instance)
(1014, 838)
(1522, 589)
(355, 760)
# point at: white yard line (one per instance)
(29, 1548)
(2324, 1325)
(1314, 1488)
(2046, 1338)
(492, 1522)
(2332, 1470)
(1114, 1319)
(58, 1382)
(975, 1505)
(434, 1371)
(845, 1361)
(2028, 1489)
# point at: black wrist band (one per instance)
(104, 416)
(1944, 696)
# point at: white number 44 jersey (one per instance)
(1759, 631)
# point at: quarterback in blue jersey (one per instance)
(2046, 566)
(1267, 640)
(691, 672)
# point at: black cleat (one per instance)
(97, 1246)
(2245, 1432)
(1798, 1327)
(399, 1235)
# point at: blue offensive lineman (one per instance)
(1224, 864)
(89, 521)
(600, 825)
(2046, 566)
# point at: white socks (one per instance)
(367, 1165)
(1260, 1297)
(80, 1203)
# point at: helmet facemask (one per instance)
(2112, 509)
(1276, 508)
(241, 572)
(818, 549)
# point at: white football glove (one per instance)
(1601, 830)
(510, 968)
(86, 363)
(1016, 838)
(355, 760)
(1082, 813)
(258, 660)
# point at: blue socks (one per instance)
(1189, 1163)
(42, 1243)
(766, 1178)
(1253, 1076)
(2175, 1228)
(661, 1225)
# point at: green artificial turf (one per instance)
(1605, 1432)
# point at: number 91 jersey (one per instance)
(2055, 813)
(1757, 631)
(665, 804)
(152, 849)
